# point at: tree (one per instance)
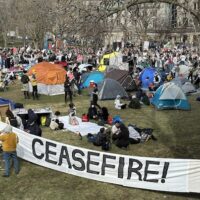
(33, 19)
(6, 19)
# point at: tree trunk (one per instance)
(5, 39)
(35, 43)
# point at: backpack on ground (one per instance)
(198, 98)
(145, 100)
(85, 118)
(13, 122)
(106, 145)
(134, 104)
(48, 121)
(43, 120)
(19, 105)
(61, 125)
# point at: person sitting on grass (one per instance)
(138, 135)
(72, 115)
(103, 115)
(118, 104)
(97, 139)
(92, 112)
(121, 137)
(102, 138)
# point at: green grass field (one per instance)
(178, 134)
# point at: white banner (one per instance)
(173, 175)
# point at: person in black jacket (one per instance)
(99, 138)
(25, 83)
(68, 90)
(121, 138)
(32, 124)
(92, 111)
(95, 96)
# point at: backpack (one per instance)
(61, 125)
(134, 104)
(85, 118)
(145, 100)
(13, 122)
(48, 121)
(110, 120)
(106, 145)
(117, 118)
(24, 79)
(19, 105)
(43, 120)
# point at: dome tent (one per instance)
(123, 77)
(147, 73)
(96, 77)
(170, 96)
(110, 88)
(185, 85)
(50, 78)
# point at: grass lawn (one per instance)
(178, 134)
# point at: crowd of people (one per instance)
(166, 61)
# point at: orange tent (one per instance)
(47, 73)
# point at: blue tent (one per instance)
(6, 102)
(170, 96)
(147, 72)
(97, 77)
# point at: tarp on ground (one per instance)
(83, 127)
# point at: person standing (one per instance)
(25, 83)
(9, 141)
(34, 86)
(95, 96)
(67, 88)
(77, 77)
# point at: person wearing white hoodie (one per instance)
(118, 104)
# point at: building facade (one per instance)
(157, 22)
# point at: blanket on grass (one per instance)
(84, 127)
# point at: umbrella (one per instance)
(83, 67)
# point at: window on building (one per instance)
(174, 16)
(196, 7)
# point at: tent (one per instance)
(110, 88)
(184, 71)
(123, 77)
(114, 60)
(7, 102)
(170, 96)
(105, 60)
(185, 85)
(50, 78)
(147, 72)
(96, 77)
(188, 88)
